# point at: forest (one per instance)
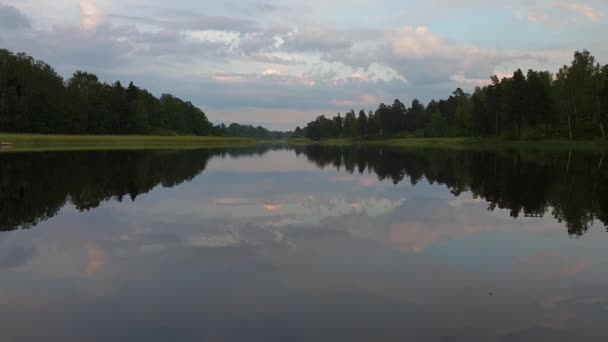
(248, 131)
(34, 98)
(572, 104)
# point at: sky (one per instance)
(281, 63)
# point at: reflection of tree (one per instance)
(574, 185)
(34, 186)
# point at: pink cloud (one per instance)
(363, 100)
(96, 259)
(272, 207)
(582, 9)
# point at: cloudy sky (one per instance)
(281, 63)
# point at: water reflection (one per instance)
(294, 244)
(572, 187)
(35, 186)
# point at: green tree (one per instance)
(351, 127)
(362, 123)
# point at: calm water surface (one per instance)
(305, 244)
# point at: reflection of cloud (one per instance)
(21, 300)
(272, 207)
(413, 237)
(96, 259)
(592, 300)
(15, 256)
(459, 202)
(362, 181)
(417, 237)
(556, 300)
(230, 201)
(214, 241)
(277, 161)
(343, 178)
(572, 269)
(367, 182)
(373, 207)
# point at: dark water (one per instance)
(305, 244)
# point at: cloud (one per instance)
(316, 41)
(418, 42)
(190, 21)
(11, 18)
(267, 58)
(272, 72)
(91, 15)
(563, 15)
(544, 20)
(582, 9)
(219, 23)
(363, 100)
(273, 59)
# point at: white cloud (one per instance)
(418, 42)
(91, 15)
(226, 58)
(272, 72)
(582, 9)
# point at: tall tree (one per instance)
(351, 127)
(362, 123)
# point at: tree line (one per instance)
(249, 131)
(34, 98)
(571, 104)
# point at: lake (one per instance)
(304, 243)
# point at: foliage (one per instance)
(529, 105)
(249, 131)
(35, 99)
(29, 142)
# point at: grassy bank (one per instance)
(44, 142)
(472, 143)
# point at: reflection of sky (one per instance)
(269, 248)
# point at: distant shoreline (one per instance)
(21, 142)
(468, 143)
(15, 142)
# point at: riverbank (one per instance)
(52, 142)
(469, 143)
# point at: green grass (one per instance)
(473, 143)
(45, 142)
(470, 143)
(49, 142)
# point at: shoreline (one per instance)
(468, 143)
(23, 142)
(18, 142)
